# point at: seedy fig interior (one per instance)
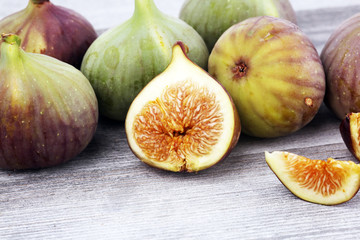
(184, 121)
(324, 177)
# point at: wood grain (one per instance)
(106, 193)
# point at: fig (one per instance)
(349, 129)
(273, 73)
(51, 30)
(328, 182)
(125, 58)
(341, 60)
(183, 120)
(212, 18)
(48, 109)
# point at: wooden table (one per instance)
(107, 193)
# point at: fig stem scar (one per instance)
(239, 70)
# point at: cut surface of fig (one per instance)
(324, 182)
(349, 129)
(183, 120)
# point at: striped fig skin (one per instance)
(48, 110)
(341, 60)
(273, 73)
(51, 30)
(211, 18)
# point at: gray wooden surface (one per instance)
(106, 193)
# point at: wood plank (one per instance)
(106, 193)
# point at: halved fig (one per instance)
(183, 120)
(324, 182)
(349, 129)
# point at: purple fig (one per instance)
(51, 30)
(341, 61)
(48, 109)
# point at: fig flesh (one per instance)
(324, 182)
(341, 60)
(48, 109)
(273, 73)
(51, 30)
(124, 59)
(350, 129)
(183, 120)
(212, 18)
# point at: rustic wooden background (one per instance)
(106, 193)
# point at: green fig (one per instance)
(124, 59)
(51, 30)
(48, 109)
(211, 18)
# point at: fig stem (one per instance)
(11, 39)
(145, 7)
(10, 50)
(39, 1)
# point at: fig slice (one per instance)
(328, 182)
(349, 129)
(183, 120)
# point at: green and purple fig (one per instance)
(51, 30)
(48, 109)
(212, 18)
(341, 60)
(124, 59)
(273, 73)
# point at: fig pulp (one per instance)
(350, 129)
(273, 73)
(212, 18)
(124, 59)
(51, 30)
(48, 109)
(183, 120)
(324, 182)
(341, 60)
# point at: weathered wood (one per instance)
(107, 193)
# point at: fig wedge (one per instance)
(183, 120)
(328, 182)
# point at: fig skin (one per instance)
(153, 90)
(125, 58)
(51, 30)
(212, 18)
(341, 60)
(273, 73)
(48, 109)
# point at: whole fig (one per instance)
(211, 18)
(51, 30)
(273, 73)
(341, 60)
(124, 59)
(48, 109)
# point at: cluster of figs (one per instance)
(185, 87)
